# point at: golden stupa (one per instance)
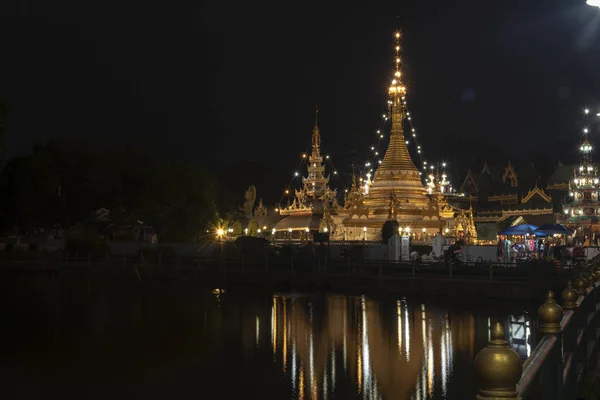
(397, 191)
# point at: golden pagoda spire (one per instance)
(316, 136)
(397, 157)
(397, 91)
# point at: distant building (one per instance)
(504, 196)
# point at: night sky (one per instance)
(223, 84)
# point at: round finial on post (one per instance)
(569, 297)
(551, 314)
(499, 368)
(592, 278)
(597, 273)
(581, 285)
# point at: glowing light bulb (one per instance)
(593, 3)
(586, 111)
(585, 130)
(295, 174)
(220, 232)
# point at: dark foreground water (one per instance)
(81, 339)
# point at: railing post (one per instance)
(76, 257)
(450, 269)
(159, 259)
(491, 271)
(414, 268)
(267, 263)
(58, 257)
(569, 298)
(499, 368)
(551, 314)
(581, 318)
(242, 263)
(90, 259)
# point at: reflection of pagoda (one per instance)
(313, 204)
(397, 191)
(584, 209)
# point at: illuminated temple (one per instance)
(396, 193)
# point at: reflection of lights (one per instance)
(399, 315)
(406, 331)
(285, 335)
(430, 361)
(293, 355)
(311, 353)
(366, 364)
(425, 352)
(301, 383)
(257, 330)
(443, 361)
(274, 326)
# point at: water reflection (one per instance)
(415, 359)
(161, 341)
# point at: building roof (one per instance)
(562, 174)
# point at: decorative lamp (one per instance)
(550, 315)
(569, 297)
(580, 285)
(499, 368)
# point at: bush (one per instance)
(87, 242)
(166, 252)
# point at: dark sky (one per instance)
(221, 83)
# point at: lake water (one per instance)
(83, 339)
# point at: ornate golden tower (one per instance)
(315, 184)
(397, 177)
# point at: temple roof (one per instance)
(498, 180)
(562, 174)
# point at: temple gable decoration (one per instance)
(469, 184)
(510, 175)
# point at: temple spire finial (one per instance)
(316, 115)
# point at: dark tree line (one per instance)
(64, 182)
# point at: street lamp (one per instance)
(365, 231)
(593, 3)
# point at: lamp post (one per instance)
(220, 233)
(365, 231)
(290, 235)
(307, 230)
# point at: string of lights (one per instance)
(375, 155)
